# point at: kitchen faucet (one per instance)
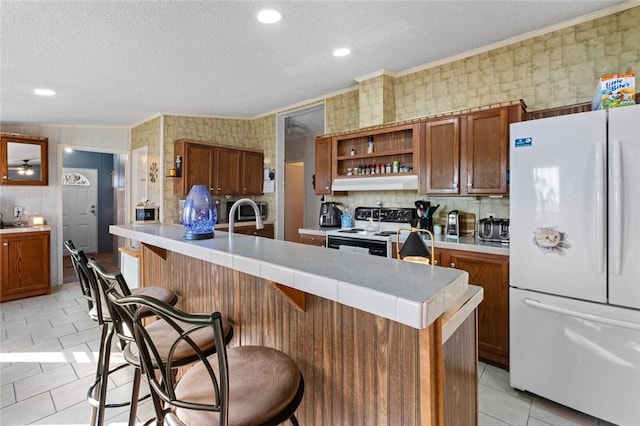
(237, 204)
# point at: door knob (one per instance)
(93, 209)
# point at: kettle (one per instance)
(425, 213)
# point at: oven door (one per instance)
(360, 245)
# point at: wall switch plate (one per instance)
(17, 211)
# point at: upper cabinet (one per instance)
(468, 154)
(24, 160)
(441, 157)
(323, 176)
(224, 170)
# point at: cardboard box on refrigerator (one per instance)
(614, 91)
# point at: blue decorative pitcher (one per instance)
(199, 214)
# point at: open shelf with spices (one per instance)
(382, 151)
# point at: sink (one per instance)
(12, 225)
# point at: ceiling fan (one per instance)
(292, 128)
(23, 169)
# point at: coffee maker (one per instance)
(453, 224)
(330, 215)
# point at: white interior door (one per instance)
(80, 208)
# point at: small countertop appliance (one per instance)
(453, 224)
(330, 215)
(495, 230)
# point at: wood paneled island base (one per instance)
(359, 368)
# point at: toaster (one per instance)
(495, 230)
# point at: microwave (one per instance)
(148, 214)
(245, 212)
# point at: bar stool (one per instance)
(99, 312)
(203, 343)
(245, 385)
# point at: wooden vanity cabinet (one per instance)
(491, 272)
(323, 176)
(25, 265)
(224, 170)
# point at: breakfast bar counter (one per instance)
(367, 332)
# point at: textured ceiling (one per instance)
(122, 62)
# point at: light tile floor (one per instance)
(48, 348)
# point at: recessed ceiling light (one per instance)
(269, 16)
(343, 51)
(44, 92)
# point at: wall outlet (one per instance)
(17, 211)
(491, 215)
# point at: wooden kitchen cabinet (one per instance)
(252, 172)
(227, 172)
(323, 175)
(312, 239)
(224, 170)
(25, 265)
(491, 272)
(468, 154)
(442, 157)
(485, 152)
(197, 163)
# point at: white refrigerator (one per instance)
(574, 294)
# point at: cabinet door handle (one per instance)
(470, 185)
(452, 265)
(435, 262)
(326, 187)
(455, 186)
(5, 244)
(219, 188)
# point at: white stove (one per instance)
(373, 232)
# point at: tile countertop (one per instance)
(25, 228)
(409, 293)
(462, 243)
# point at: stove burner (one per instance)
(351, 231)
(386, 233)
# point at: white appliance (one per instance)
(575, 261)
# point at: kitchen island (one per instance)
(367, 332)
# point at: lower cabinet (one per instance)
(25, 265)
(491, 272)
(267, 232)
(312, 240)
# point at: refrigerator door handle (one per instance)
(616, 220)
(581, 315)
(600, 206)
